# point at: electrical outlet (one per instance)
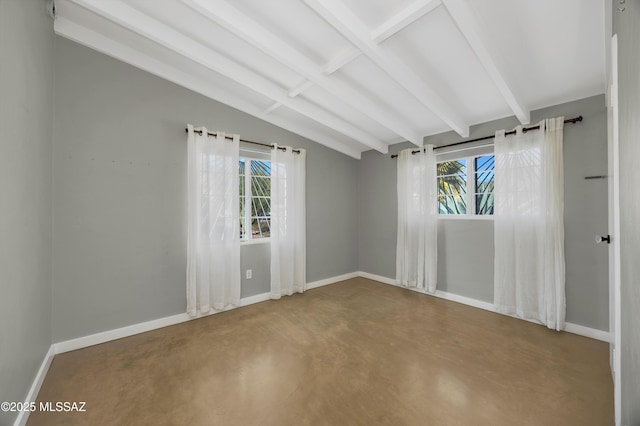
(249, 274)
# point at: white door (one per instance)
(614, 226)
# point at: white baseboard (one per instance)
(119, 333)
(593, 333)
(32, 395)
(332, 280)
(481, 304)
(569, 327)
(246, 301)
(379, 278)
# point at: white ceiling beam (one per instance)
(350, 26)
(160, 33)
(402, 19)
(272, 108)
(300, 88)
(472, 30)
(342, 59)
(252, 32)
(138, 59)
(383, 32)
(396, 23)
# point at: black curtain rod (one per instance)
(297, 151)
(512, 132)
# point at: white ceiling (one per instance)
(356, 75)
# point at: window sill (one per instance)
(255, 241)
(465, 217)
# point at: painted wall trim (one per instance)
(488, 306)
(23, 416)
(119, 333)
(332, 280)
(594, 333)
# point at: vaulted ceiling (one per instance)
(356, 75)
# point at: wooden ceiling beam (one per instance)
(87, 37)
(252, 32)
(352, 28)
(135, 21)
(402, 19)
(472, 30)
(395, 24)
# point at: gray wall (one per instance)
(626, 25)
(26, 78)
(470, 242)
(120, 202)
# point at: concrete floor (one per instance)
(352, 353)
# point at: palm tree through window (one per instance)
(465, 186)
(255, 198)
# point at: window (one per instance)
(255, 199)
(465, 186)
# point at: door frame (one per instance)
(614, 227)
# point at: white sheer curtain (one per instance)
(213, 253)
(528, 224)
(288, 222)
(417, 244)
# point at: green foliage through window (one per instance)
(484, 182)
(255, 199)
(458, 177)
(452, 187)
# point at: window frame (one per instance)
(248, 197)
(470, 195)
